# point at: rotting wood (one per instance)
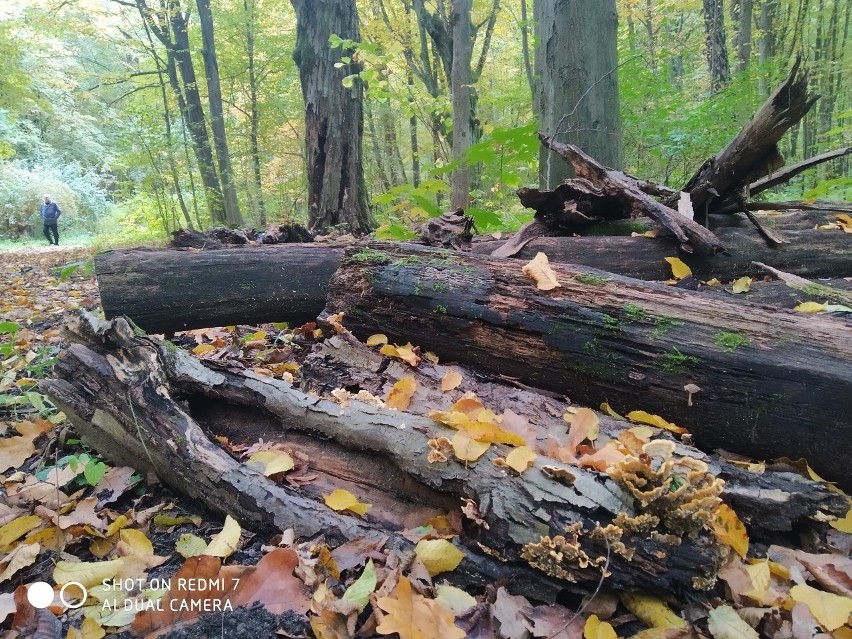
(140, 402)
(785, 174)
(602, 337)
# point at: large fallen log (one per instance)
(140, 402)
(773, 383)
(168, 290)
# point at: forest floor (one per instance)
(68, 516)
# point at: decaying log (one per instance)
(140, 402)
(166, 290)
(810, 253)
(615, 187)
(171, 290)
(774, 383)
(753, 153)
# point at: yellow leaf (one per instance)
(760, 576)
(379, 339)
(468, 449)
(845, 524)
(120, 522)
(17, 528)
(538, 269)
(810, 307)
(451, 380)
(341, 499)
(438, 555)
(520, 458)
(597, 629)
(22, 556)
(189, 545)
(654, 420)
(742, 285)
(730, 530)
(225, 543)
(679, 268)
(832, 611)
(413, 616)
(90, 629)
(400, 394)
(454, 598)
(652, 611)
(201, 349)
(605, 407)
(430, 356)
(88, 573)
(405, 353)
(713, 282)
(271, 462)
(137, 542)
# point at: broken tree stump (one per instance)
(774, 383)
(140, 402)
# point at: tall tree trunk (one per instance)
(171, 30)
(460, 80)
(744, 33)
(334, 120)
(716, 50)
(374, 142)
(651, 34)
(233, 216)
(577, 64)
(525, 47)
(412, 127)
(254, 116)
(766, 45)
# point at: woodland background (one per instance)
(87, 114)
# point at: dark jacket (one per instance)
(50, 213)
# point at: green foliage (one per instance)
(730, 341)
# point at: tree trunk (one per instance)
(141, 403)
(716, 49)
(233, 217)
(744, 34)
(254, 115)
(576, 60)
(460, 81)
(334, 121)
(766, 45)
(773, 383)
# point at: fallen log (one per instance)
(774, 383)
(165, 291)
(173, 290)
(140, 402)
(784, 175)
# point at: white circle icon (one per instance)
(80, 603)
(40, 594)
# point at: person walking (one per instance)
(50, 213)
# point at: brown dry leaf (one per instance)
(115, 483)
(508, 610)
(82, 515)
(451, 380)
(584, 425)
(413, 616)
(832, 572)
(14, 451)
(555, 622)
(601, 459)
(401, 393)
(538, 269)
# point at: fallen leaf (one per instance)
(379, 339)
(341, 499)
(654, 420)
(832, 611)
(401, 393)
(189, 545)
(270, 462)
(725, 623)
(652, 611)
(521, 458)
(730, 530)
(83, 515)
(17, 528)
(597, 629)
(225, 543)
(679, 268)
(88, 573)
(810, 307)
(451, 380)
(438, 555)
(605, 407)
(742, 285)
(584, 425)
(22, 556)
(203, 349)
(555, 622)
(538, 269)
(405, 353)
(467, 449)
(359, 592)
(454, 598)
(413, 616)
(14, 451)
